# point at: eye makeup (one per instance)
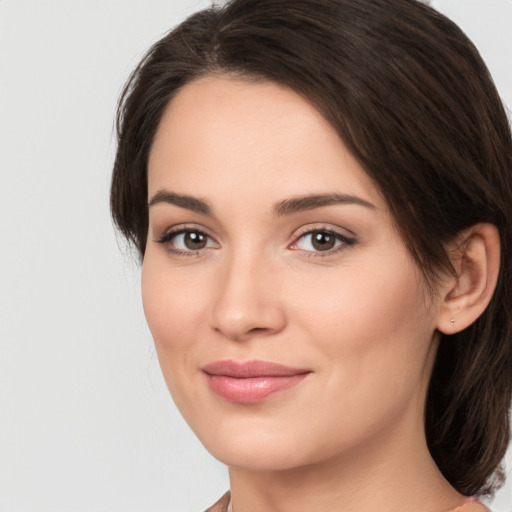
(318, 241)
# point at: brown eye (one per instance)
(322, 241)
(194, 240)
(187, 241)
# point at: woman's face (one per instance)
(291, 324)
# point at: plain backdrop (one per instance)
(86, 423)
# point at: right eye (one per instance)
(185, 241)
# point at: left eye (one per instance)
(320, 241)
(188, 240)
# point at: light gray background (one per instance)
(86, 423)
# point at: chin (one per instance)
(254, 450)
(253, 458)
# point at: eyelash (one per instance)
(346, 241)
(167, 237)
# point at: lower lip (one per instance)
(253, 389)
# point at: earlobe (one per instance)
(476, 259)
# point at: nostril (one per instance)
(258, 330)
(240, 334)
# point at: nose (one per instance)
(247, 303)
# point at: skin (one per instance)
(350, 436)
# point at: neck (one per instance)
(389, 473)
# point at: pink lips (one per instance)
(252, 381)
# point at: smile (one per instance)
(251, 382)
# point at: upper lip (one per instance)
(251, 369)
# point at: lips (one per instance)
(251, 382)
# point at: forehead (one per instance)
(250, 136)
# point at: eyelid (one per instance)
(328, 227)
(180, 228)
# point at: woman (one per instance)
(320, 192)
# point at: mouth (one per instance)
(252, 381)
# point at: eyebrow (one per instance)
(310, 202)
(282, 208)
(190, 203)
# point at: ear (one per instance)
(475, 255)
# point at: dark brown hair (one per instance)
(412, 99)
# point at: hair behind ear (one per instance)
(468, 405)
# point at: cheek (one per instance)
(173, 307)
(384, 294)
(372, 333)
(174, 304)
(373, 324)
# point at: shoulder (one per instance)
(221, 505)
(472, 506)
(475, 507)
